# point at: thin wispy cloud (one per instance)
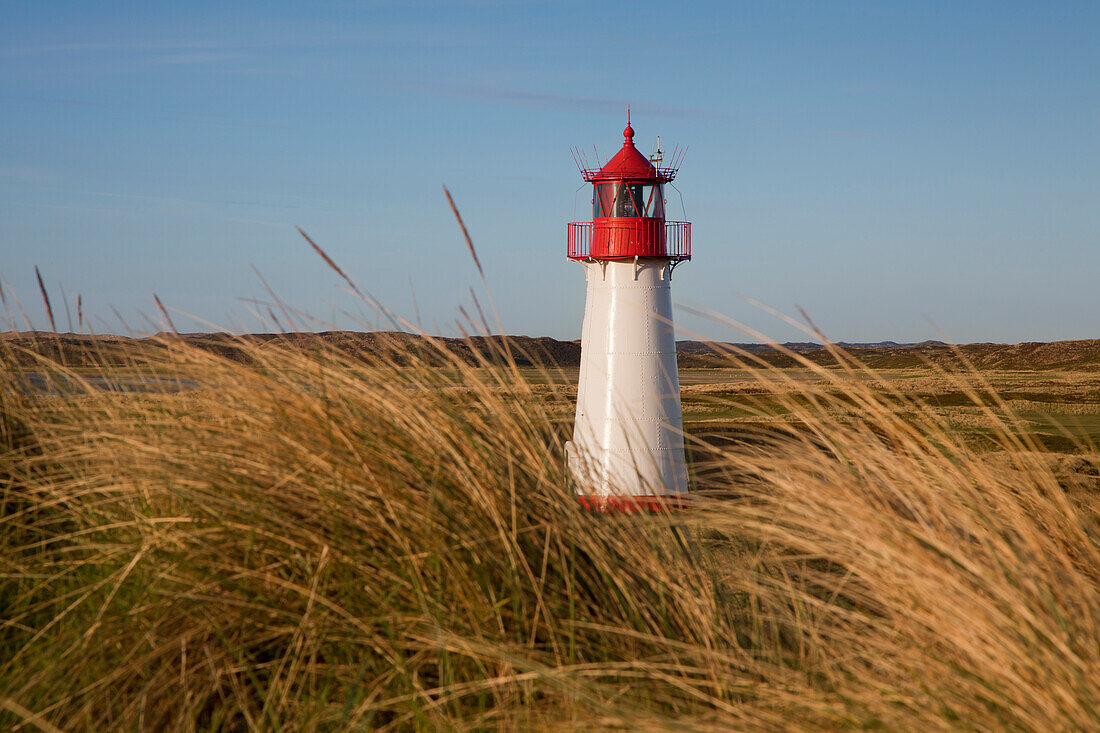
(202, 211)
(48, 102)
(194, 58)
(261, 222)
(191, 201)
(229, 45)
(222, 122)
(20, 174)
(29, 174)
(71, 207)
(171, 115)
(155, 45)
(375, 4)
(570, 102)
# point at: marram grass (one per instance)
(307, 542)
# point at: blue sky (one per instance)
(899, 170)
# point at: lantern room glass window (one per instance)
(653, 196)
(603, 202)
(628, 199)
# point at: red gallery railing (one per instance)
(677, 240)
(578, 240)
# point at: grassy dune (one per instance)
(307, 542)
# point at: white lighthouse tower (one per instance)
(627, 452)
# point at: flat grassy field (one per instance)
(1059, 410)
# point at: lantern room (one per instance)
(628, 211)
(627, 199)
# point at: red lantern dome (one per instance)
(628, 163)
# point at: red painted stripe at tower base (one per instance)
(634, 504)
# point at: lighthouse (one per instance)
(627, 451)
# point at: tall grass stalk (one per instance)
(309, 541)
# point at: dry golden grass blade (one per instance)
(29, 717)
(506, 347)
(45, 298)
(465, 234)
(329, 261)
(164, 312)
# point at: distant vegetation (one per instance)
(306, 539)
(82, 350)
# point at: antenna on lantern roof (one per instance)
(658, 155)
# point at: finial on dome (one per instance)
(628, 133)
